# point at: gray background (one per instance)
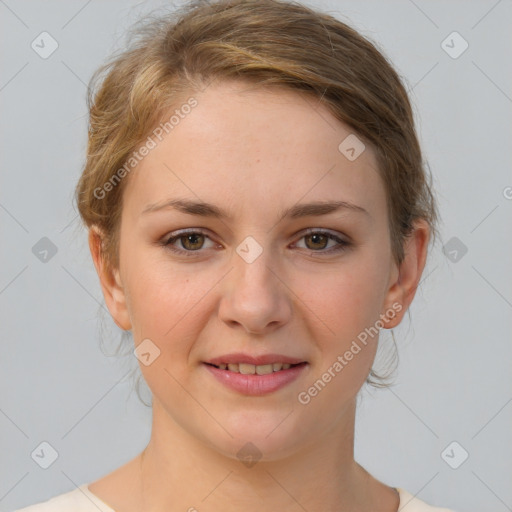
(454, 378)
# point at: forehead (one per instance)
(243, 146)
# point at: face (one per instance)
(258, 276)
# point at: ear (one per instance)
(405, 278)
(110, 282)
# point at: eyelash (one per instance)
(166, 243)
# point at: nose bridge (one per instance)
(254, 273)
(254, 296)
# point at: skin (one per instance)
(254, 152)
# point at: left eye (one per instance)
(320, 239)
(193, 241)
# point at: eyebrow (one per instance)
(203, 209)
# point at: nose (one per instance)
(255, 297)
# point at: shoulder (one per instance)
(409, 503)
(78, 500)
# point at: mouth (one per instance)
(252, 369)
(261, 376)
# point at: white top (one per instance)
(83, 500)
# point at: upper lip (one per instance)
(255, 360)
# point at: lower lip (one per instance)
(256, 385)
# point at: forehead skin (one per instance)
(255, 152)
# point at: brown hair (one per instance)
(263, 42)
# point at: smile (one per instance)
(255, 380)
(252, 369)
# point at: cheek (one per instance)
(165, 309)
(344, 312)
(164, 302)
(170, 306)
(347, 300)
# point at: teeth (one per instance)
(246, 369)
(251, 369)
(264, 369)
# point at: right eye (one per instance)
(191, 240)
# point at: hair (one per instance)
(263, 42)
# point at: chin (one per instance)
(260, 436)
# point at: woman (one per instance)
(258, 211)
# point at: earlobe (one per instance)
(407, 275)
(110, 281)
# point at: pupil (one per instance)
(192, 239)
(315, 238)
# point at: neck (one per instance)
(180, 472)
